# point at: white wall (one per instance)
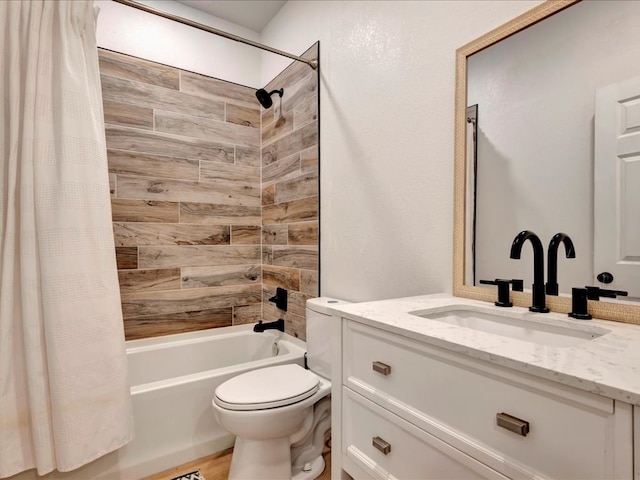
(134, 32)
(386, 107)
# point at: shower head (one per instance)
(264, 97)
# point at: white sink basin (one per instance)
(515, 326)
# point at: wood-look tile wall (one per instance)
(215, 202)
(184, 163)
(290, 207)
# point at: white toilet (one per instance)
(280, 414)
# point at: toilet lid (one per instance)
(268, 387)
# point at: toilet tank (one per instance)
(319, 334)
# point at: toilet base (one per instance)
(268, 459)
(315, 468)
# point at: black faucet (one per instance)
(538, 298)
(552, 260)
(277, 325)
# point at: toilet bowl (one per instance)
(280, 414)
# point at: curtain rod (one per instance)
(185, 21)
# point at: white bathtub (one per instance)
(172, 383)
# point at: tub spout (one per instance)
(277, 325)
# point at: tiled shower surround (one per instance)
(215, 203)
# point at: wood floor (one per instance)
(216, 467)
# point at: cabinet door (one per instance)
(572, 434)
(385, 446)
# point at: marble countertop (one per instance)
(608, 365)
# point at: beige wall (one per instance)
(185, 165)
(290, 231)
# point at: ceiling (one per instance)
(252, 14)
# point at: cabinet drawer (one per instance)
(410, 452)
(572, 434)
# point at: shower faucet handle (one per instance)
(280, 299)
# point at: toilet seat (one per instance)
(269, 387)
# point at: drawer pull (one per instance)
(381, 445)
(382, 368)
(513, 424)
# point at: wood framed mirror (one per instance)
(628, 312)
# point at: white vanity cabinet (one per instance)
(636, 443)
(409, 410)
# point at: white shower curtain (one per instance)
(64, 396)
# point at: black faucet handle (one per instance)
(579, 304)
(503, 291)
(514, 281)
(280, 299)
(517, 285)
(613, 293)
(594, 293)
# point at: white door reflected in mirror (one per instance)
(616, 180)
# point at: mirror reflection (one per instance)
(554, 147)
